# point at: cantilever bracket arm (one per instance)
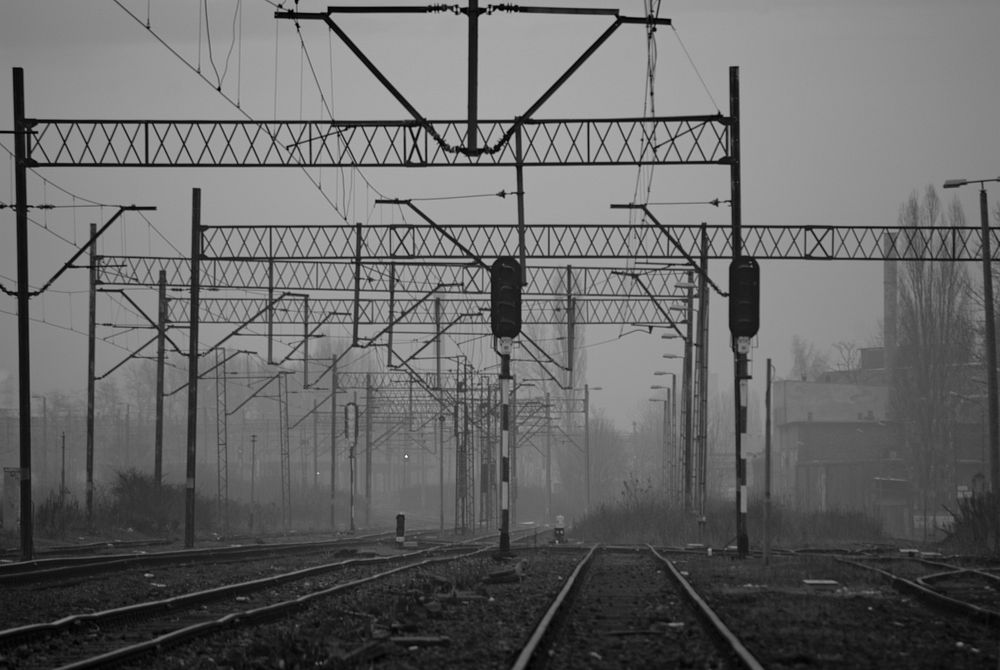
(139, 309)
(311, 333)
(204, 374)
(436, 226)
(255, 393)
(127, 358)
(569, 438)
(656, 303)
(246, 323)
(541, 364)
(443, 330)
(666, 231)
(406, 312)
(82, 250)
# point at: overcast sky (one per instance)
(847, 108)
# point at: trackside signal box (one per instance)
(505, 297)
(744, 297)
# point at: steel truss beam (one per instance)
(596, 241)
(697, 140)
(375, 312)
(316, 275)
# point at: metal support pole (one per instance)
(315, 414)
(686, 400)
(62, 475)
(45, 436)
(701, 355)
(471, 135)
(305, 343)
(351, 419)
(270, 309)
(570, 327)
(548, 457)
(741, 376)
(333, 442)
(767, 466)
(357, 284)
(586, 445)
(392, 310)
(192, 386)
(24, 317)
(992, 391)
(438, 344)
(369, 410)
(91, 364)
(253, 476)
(519, 178)
(505, 345)
(736, 202)
(161, 339)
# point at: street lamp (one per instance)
(672, 356)
(993, 428)
(586, 441)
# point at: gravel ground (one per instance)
(860, 623)
(441, 616)
(48, 601)
(445, 616)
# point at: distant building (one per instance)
(835, 447)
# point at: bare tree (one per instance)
(807, 363)
(936, 337)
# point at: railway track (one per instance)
(47, 569)
(970, 591)
(108, 637)
(630, 608)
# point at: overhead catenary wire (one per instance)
(196, 68)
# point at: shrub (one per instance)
(973, 528)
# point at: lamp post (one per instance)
(253, 474)
(45, 432)
(993, 427)
(666, 437)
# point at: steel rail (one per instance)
(20, 634)
(711, 619)
(245, 618)
(88, 565)
(547, 622)
(932, 597)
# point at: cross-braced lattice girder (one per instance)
(238, 143)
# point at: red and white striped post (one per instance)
(504, 346)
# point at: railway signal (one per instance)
(744, 297)
(505, 297)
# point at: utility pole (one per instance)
(701, 356)
(369, 410)
(23, 316)
(548, 457)
(253, 475)
(333, 442)
(741, 343)
(686, 399)
(161, 337)
(192, 387)
(315, 414)
(586, 445)
(767, 466)
(62, 477)
(91, 364)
